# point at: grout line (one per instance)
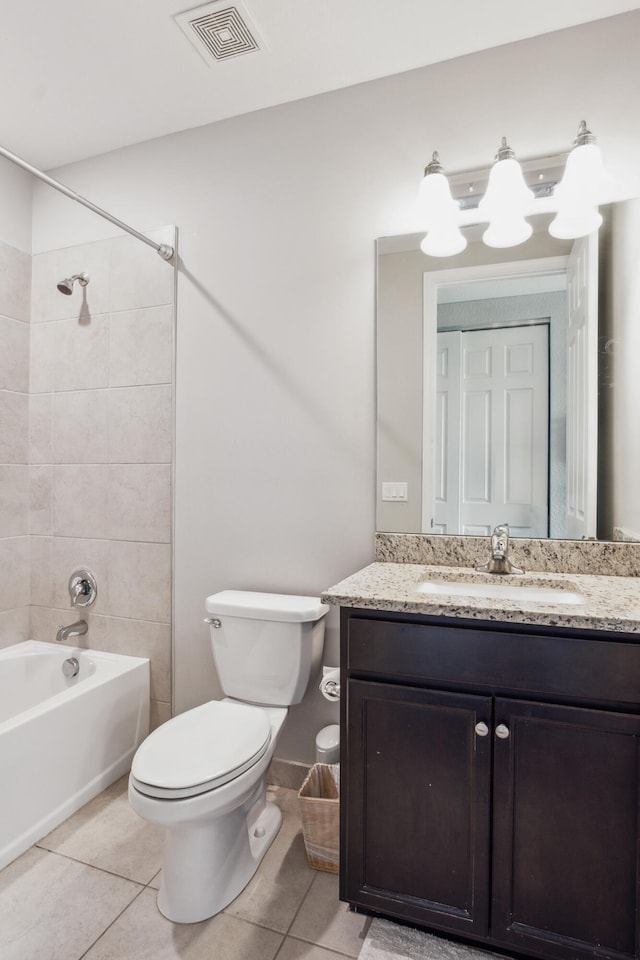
(330, 950)
(108, 927)
(93, 866)
(300, 905)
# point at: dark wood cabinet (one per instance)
(477, 805)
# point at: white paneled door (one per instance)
(492, 431)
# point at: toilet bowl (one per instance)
(202, 775)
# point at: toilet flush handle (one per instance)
(213, 622)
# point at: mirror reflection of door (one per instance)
(492, 436)
(498, 429)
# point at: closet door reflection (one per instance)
(492, 431)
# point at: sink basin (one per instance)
(522, 593)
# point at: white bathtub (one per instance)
(63, 740)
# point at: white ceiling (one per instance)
(82, 77)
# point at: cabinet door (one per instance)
(416, 817)
(565, 861)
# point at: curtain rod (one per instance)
(162, 249)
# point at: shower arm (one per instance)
(162, 249)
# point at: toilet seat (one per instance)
(201, 749)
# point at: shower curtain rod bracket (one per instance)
(162, 249)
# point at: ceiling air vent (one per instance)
(219, 31)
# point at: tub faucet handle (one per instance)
(83, 588)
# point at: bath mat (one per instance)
(391, 941)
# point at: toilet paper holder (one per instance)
(330, 683)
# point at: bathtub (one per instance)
(63, 740)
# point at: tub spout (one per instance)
(77, 629)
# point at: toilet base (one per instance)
(209, 862)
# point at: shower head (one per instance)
(66, 286)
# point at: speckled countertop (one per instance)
(607, 602)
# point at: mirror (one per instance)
(506, 384)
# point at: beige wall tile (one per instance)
(40, 499)
(140, 502)
(14, 427)
(15, 282)
(141, 347)
(138, 638)
(53, 266)
(80, 498)
(14, 500)
(160, 713)
(44, 623)
(81, 353)
(80, 427)
(15, 626)
(140, 581)
(41, 571)
(139, 277)
(14, 564)
(140, 425)
(42, 351)
(68, 555)
(14, 355)
(41, 428)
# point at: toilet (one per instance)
(202, 775)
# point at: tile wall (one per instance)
(99, 373)
(15, 282)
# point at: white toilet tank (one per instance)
(266, 646)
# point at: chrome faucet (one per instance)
(499, 561)
(77, 629)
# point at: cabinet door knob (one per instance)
(482, 729)
(502, 731)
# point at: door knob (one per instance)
(502, 731)
(481, 729)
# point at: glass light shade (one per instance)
(438, 206)
(445, 240)
(507, 232)
(585, 179)
(575, 221)
(507, 193)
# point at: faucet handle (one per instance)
(83, 588)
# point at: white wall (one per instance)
(277, 213)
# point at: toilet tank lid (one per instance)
(266, 606)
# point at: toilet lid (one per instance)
(201, 749)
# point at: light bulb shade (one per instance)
(436, 202)
(575, 221)
(507, 232)
(444, 241)
(507, 193)
(585, 180)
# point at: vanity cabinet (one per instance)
(490, 781)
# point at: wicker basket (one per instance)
(319, 800)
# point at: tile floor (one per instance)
(87, 892)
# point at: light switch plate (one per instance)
(396, 490)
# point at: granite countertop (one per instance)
(610, 603)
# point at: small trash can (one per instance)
(319, 802)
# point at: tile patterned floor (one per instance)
(87, 892)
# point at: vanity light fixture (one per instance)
(572, 186)
(444, 237)
(507, 201)
(584, 181)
